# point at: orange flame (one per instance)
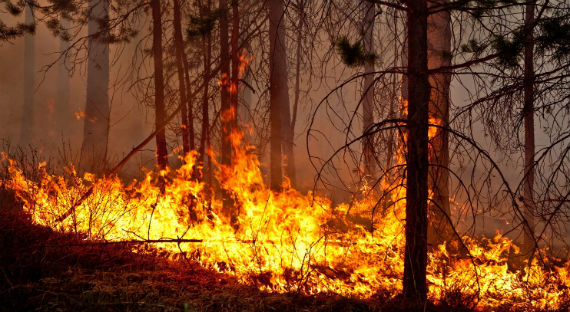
(285, 241)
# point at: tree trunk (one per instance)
(287, 132)
(226, 148)
(226, 113)
(62, 110)
(206, 50)
(190, 106)
(439, 54)
(97, 110)
(393, 98)
(292, 174)
(161, 153)
(278, 90)
(367, 30)
(235, 65)
(415, 257)
(27, 130)
(528, 115)
(179, 47)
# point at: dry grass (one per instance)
(45, 270)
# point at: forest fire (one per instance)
(328, 155)
(284, 241)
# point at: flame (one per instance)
(285, 241)
(79, 115)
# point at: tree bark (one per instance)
(226, 148)
(207, 51)
(415, 257)
(528, 115)
(287, 131)
(367, 30)
(226, 113)
(27, 130)
(393, 98)
(180, 55)
(292, 174)
(62, 110)
(439, 55)
(234, 88)
(278, 90)
(161, 152)
(287, 135)
(97, 109)
(190, 106)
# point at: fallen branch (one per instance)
(197, 241)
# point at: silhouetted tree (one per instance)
(97, 110)
(160, 113)
(415, 253)
(278, 89)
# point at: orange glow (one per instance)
(79, 115)
(285, 241)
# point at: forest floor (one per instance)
(45, 270)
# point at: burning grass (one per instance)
(46, 270)
(286, 242)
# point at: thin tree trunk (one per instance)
(27, 130)
(415, 255)
(280, 64)
(368, 13)
(235, 65)
(97, 109)
(62, 109)
(229, 114)
(278, 89)
(226, 107)
(190, 106)
(161, 152)
(179, 47)
(226, 149)
(439, 55)
(299, 57)
(206, 50)
(528, 114)
(287, 131)
(393, 99)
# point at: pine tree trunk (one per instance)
(368, 12)
(393, 98)
(291, 168)
(27, 130)
(235, 65)
(287, 131)
(528, 115)
(63, 112)
(280, 67)
(439, 54)
(189, 105)
(180, 55)
(278, 89)
(226, 107)
(415, 257)
(226, 149)
(161, 152)
(207, 51)
(97, 109)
